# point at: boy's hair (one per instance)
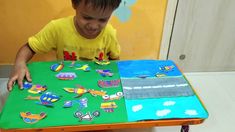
(100, 4)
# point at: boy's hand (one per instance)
(20, 71)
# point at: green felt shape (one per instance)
(58, 115)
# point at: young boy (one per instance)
(85, 36)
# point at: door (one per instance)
(203, 35)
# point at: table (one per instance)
(169, 122)
(139, 71)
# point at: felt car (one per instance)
(116, 96)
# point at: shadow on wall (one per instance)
(62, 10)
(22, 19)
(140, 36)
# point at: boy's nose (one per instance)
(93, 26)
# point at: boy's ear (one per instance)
(74, 4)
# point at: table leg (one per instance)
(185, 128)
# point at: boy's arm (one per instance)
(118, 58)
(20, 69)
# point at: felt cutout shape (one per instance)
(83, 103)
(166, 68)
(116, 96)
(108, 83)
(108, 106)
(85, 68)
(163, 70)
(35, 89)
(96, 92)
(79, 90)
(66, 75)
(27, 85)
(104, 73)
(46, 99)
(57, 67)
(30, 118)
(88, 116)
(102, 62)
(73, 64)
(160, 75)
(68, 104)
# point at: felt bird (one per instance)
(102, 62)
(84, 68)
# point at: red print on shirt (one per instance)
(101, 56)
(71, 57)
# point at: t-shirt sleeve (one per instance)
(114, 48)
(45, 40)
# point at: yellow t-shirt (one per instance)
(61, 35)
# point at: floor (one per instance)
(216, 89)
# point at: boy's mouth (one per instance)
(91, 31)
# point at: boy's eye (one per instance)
(103, 20)
(87, 18)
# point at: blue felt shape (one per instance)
(165, 108)
(135, 68)
(27, 85)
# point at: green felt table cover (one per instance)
(57, 115)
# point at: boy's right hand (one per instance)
(19, 72)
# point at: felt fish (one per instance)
(48, 98)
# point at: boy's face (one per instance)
(90, 21)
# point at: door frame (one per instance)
(171, 11)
